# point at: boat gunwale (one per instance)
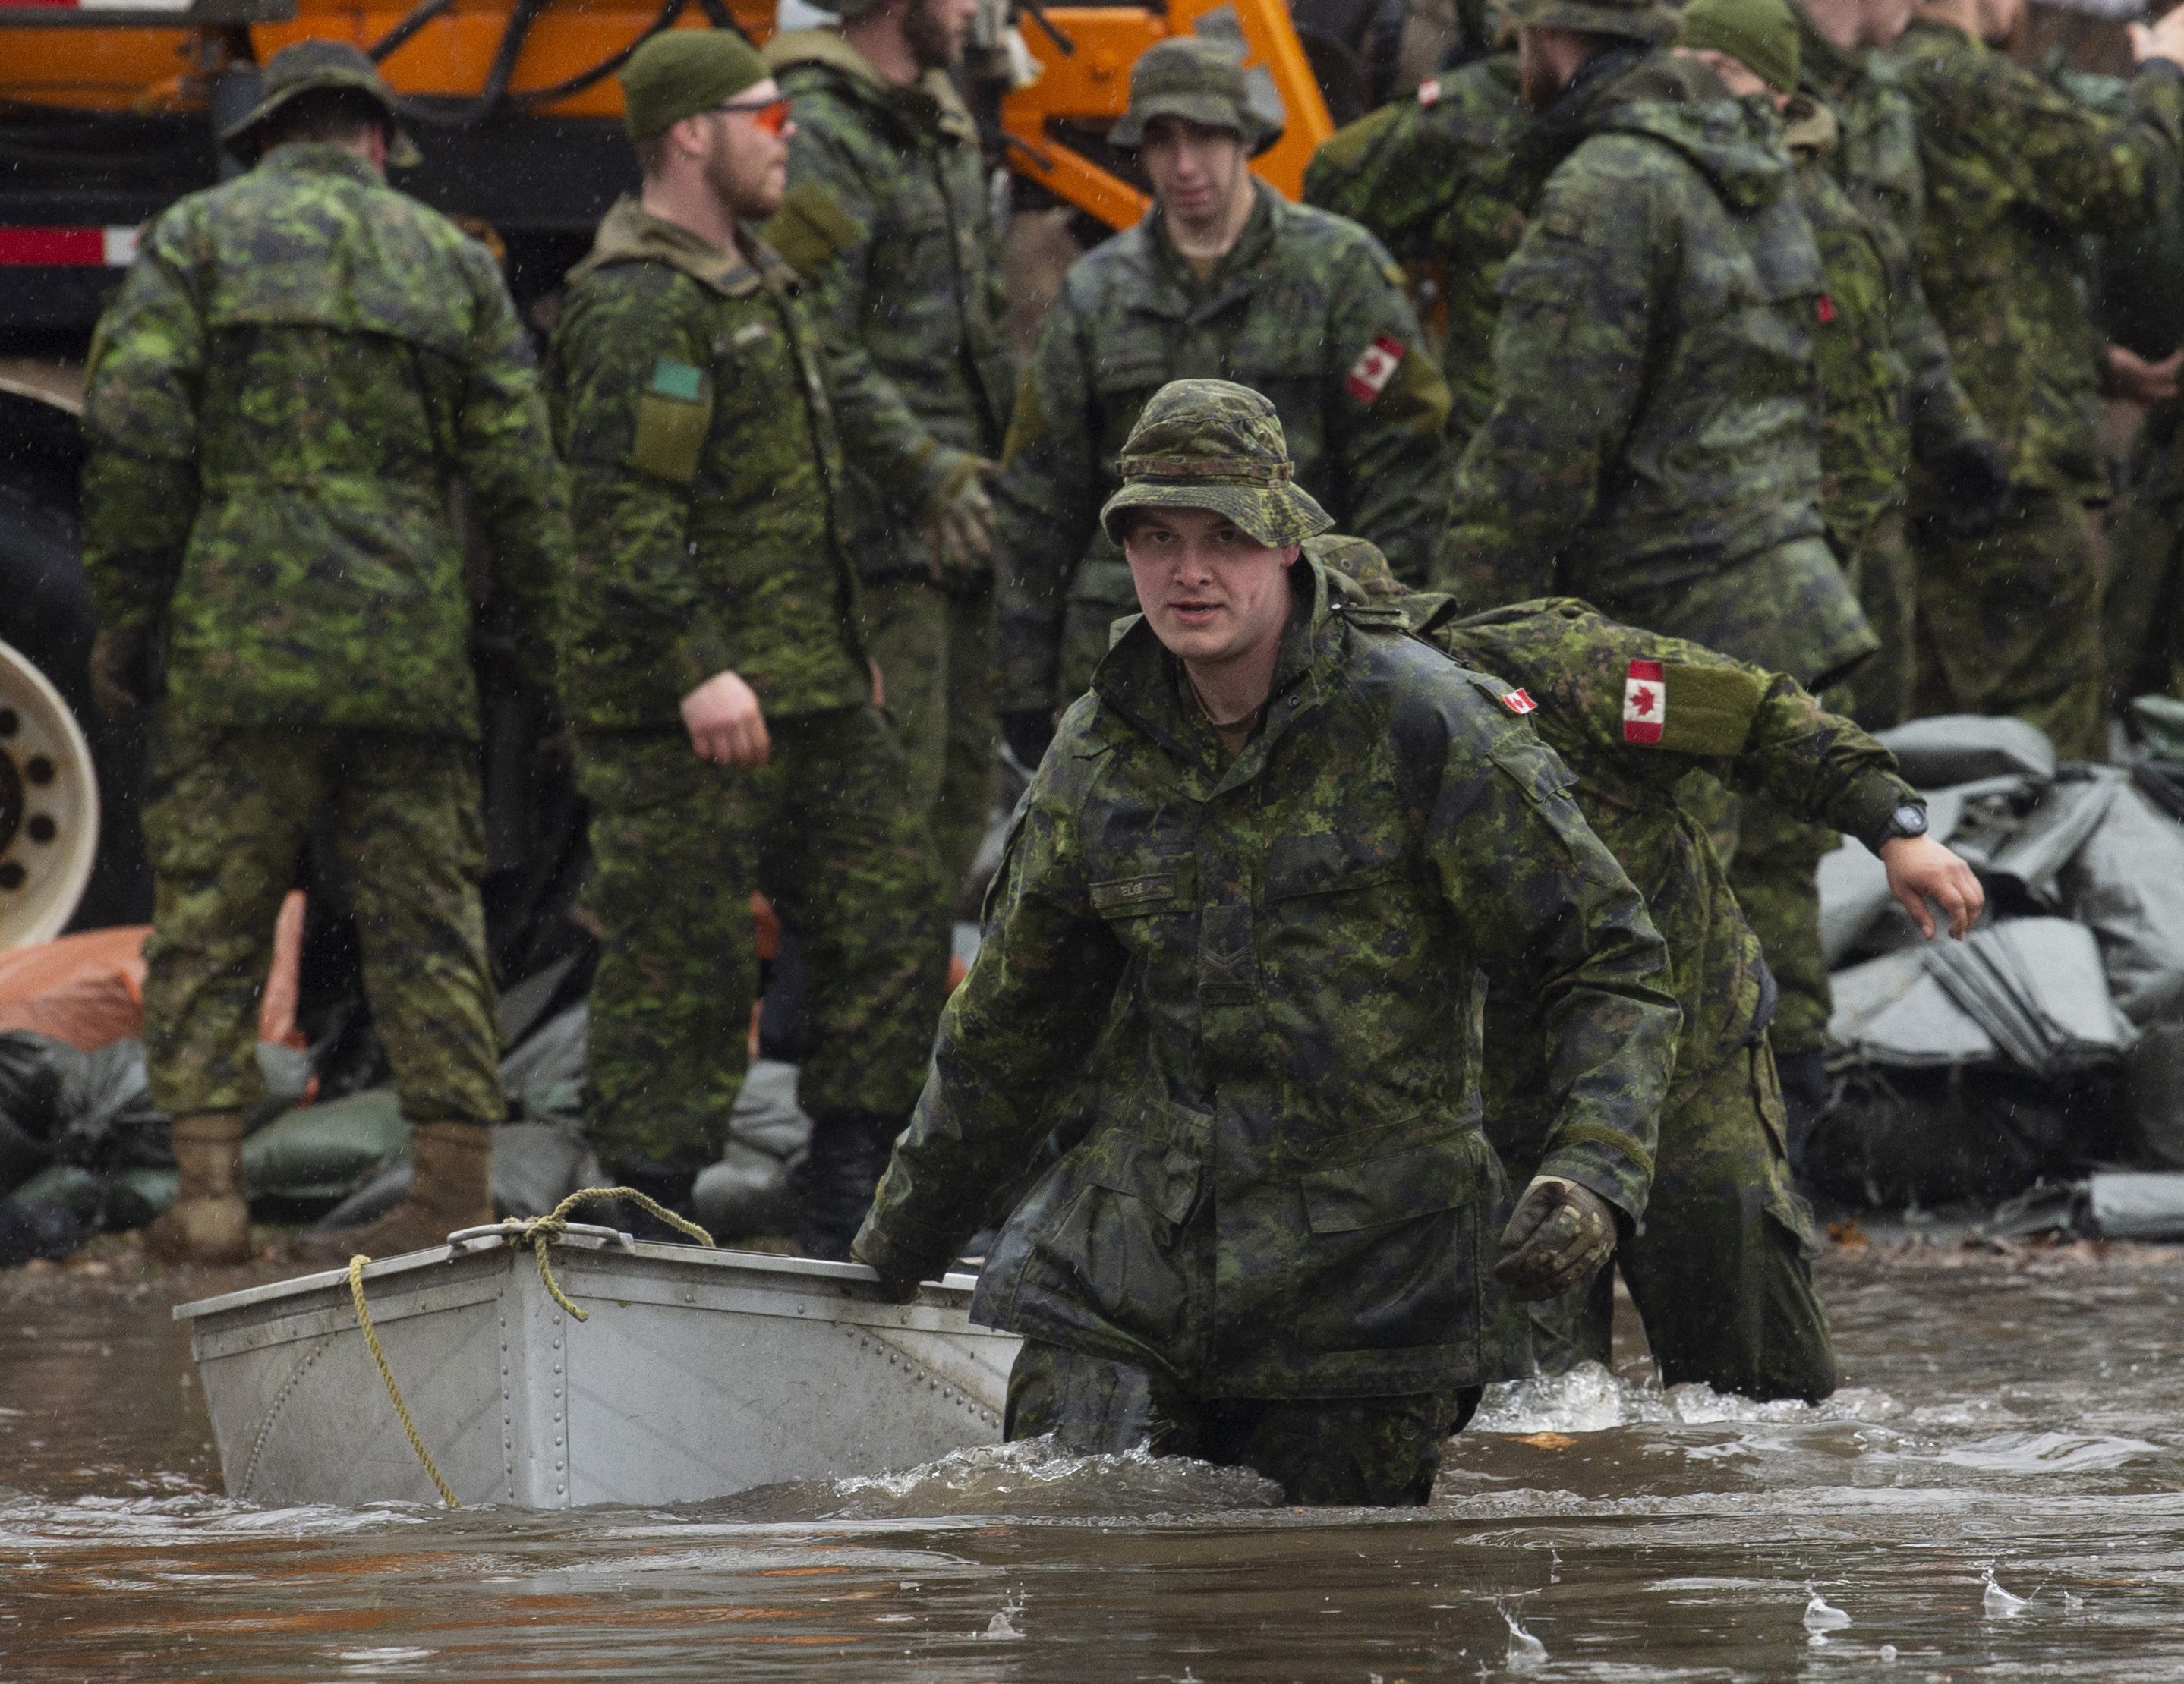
(948, 1291)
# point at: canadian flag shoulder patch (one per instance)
(1374, 368)
(1429, 92)
(1518, 701)
(1645, 702)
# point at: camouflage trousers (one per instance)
(2011, 623)
(227, 813)
(934, 648)
(2143, 617)
(679, 846)
(1331, 1452)
(1720, 1268)
(1885, 572)
(1775, 874)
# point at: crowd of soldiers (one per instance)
(1412, 904)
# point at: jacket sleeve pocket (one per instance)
(674, 415)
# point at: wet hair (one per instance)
(334, 114)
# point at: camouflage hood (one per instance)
(1677, 101)
(629, 233)
(804, 57)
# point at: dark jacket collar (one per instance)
(1177, 291)
(1144, 685)
(321, 158)
(629, 233)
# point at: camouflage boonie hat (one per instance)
(1645, 20)
(1197, 80)
(305, 68)
(1213, 444)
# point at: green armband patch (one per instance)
(1700, 710)
(674, 414)
(812, 230)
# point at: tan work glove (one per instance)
(959, 517)
(117, 672)
(1560, 1235)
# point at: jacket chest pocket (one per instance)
(1139, 901)
(1124, 375)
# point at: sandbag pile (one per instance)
(2053, 1037)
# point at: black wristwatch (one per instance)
(1907, 821)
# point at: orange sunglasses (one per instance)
(769, 114)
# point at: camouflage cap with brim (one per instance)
(308, 67)
(1214, 445)
(1645, 20)
(1198, 80)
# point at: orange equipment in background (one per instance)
(1085, 53)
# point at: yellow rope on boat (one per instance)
(371, 1338)
(540, 1231)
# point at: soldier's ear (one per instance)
(1289, 553)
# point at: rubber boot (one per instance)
(834, 1183)
(209, 1221)
(451, 1187)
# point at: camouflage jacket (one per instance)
(1633, 714)
(1267, 963)
(1306, 308)
(1876, 154)
(1887, 391)
(889, 223)
(691, 402)
(1655, 424)
(1433, 178)
(2016, 170)
(302, 368)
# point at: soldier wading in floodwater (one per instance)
(1244, 899)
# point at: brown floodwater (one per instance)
(2010, 1420)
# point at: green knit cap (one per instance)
(1213, 444)
(681, 72)
(1760, 34)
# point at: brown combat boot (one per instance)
(209, 1221)
(451, 1187)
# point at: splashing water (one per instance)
(1527, 1653)
(1591, 1398)
(2001, 1604)
(1820, 1616)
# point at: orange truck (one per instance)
(109, 111)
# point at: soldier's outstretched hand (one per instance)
(1560, 1234)
(1920, 870)
(725, 723)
